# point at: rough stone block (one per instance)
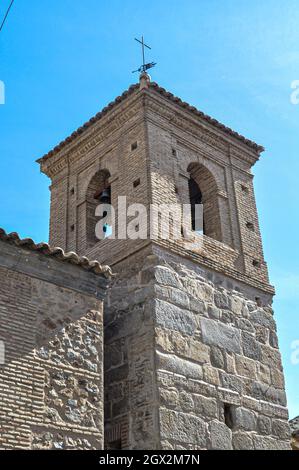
(275, 411)
(281, 429)
(180, 366)
(205, 407)
(261, 334)
(251, 348)
(211, 374)
(242, 441)
(220, 436)
(263, 318)
(169, 398)
(174, 318)
(117, 374)
(174, 342)
(251, 403)
(230, 363)
(263, 373)
(273, 339)
(217, 334)
(222, 300)
(244, 419)
(227, 317)
(237, 305)
(167, 277)
(182, 428)
(202, 388)
(214, 312)
(271, 357)
(217, 357)
(197, 289)
(245, 367)
(277, 378)
(178, 297)
(265, 392)
(229, 396)
(245, 325)
(231, 382)
(268, 443)
(186, 401)
(264, 425)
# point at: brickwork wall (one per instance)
(169, 141)
(58, 213)
(51, 384)
(224, 176)
(72, 175)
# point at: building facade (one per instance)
(51, 367)
(191, 351)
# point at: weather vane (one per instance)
(144, 67)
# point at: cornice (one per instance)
(183, 119)
(204, 117)
(211, 130)
(92, 139)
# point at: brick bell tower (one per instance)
(192, 358)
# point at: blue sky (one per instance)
(235, 60)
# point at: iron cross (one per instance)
(143, 45)
(144, 66)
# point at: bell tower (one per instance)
(192, 358)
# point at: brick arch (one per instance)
(208, 187)
(99, 182)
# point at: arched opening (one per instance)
(195, 196)
(98, 191)
(203, 190)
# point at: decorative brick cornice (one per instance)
(89, 123)
(210, 120)
(90, 140)
(56, 252)
(153, 87)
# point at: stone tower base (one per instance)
(192, 359)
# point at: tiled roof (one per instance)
(166, 94)
(45, 249)
(89, 123)
(207, 118)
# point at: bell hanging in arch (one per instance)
(105, 197)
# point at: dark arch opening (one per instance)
(195, 196)
(203, 190)
(99, 190)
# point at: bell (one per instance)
(105, 197)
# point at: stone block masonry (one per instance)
(51, 381)
(294, 424)
(190, 363)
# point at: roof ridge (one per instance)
(166, 94)
(208, 118)
(70, 257)
(91, 121)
